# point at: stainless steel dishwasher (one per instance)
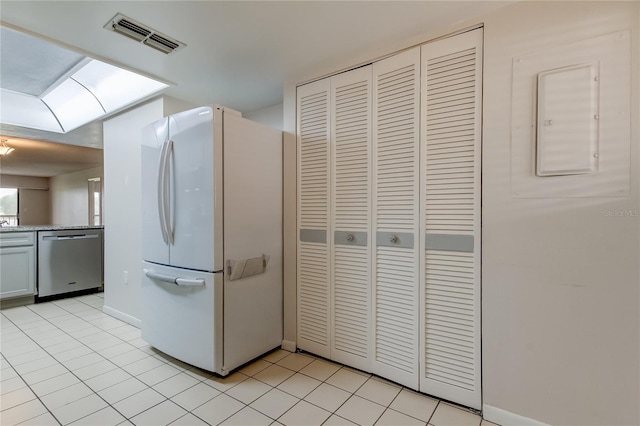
(69, 260)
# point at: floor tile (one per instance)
(44, 374)
(95, 369)
(54, 384)
(35, 365)
(138, 403)
(360, 411)
(328, 397)
(336, 420)
(195, 396)
(26, 357)
(223, 384)
(248, 416)
(64, 346)
(393, 418)
(79, 409)
(161, 414)
(414, 404)
(378, 392)
(128, 357)
(274, 403)
(255, 367)
(448, 415)
(487, 423)
(116, 350)
(72, 353)
(22, 412)
(249, 390)
(276, 355)
(347, 380)
(189, 420)
(17, 397)
(176, 384)
(304, 414)
(122, 390)
(105, 417)
(83, 361)
(142, 366)
(45, 419)
(158, 374)
(66, 396)
(299, 385)
(11, 385)
(105, 380)
(218, 409)
(199, 374)
(7, 373)
(274, 375)
(295, 362)
(320, 369)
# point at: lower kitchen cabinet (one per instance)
(17, 264)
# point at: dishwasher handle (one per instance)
(181, 282)
(69, 237)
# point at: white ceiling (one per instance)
(238, 53)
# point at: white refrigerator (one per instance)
(212, 238)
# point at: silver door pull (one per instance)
(350, 237)
(393, 239)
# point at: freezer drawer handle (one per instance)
(182, 282)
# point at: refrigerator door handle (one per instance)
(161, 200)
(166, 189)
(181, 282)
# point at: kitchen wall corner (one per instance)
(122, 206)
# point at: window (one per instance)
(95, 201)
(9, 206)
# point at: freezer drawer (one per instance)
(182, 314)
(69, 261)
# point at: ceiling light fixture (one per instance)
(4, 149)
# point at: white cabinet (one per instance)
(389, 217)
(17, 264)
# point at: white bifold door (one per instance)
(389, 217)
(451, 160)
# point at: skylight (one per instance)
(64, 90)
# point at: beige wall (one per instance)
(271, 116)
(561, 280)
(34, 201)
(69, 195)
(34, 207)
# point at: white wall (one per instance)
(561, 300)
(271, 116)
(122, 225)
(69, 194)
(561, 279)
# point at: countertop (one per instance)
(47, 228)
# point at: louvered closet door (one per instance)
(451, 136)
(351, 203)
(313, 217)
(396, 94)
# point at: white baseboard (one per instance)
(122, 316)
(507, 418)
(288, 345)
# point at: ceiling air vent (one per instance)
(135, 30)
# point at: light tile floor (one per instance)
(66, 362)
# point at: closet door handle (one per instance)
(393, 239)
(350, 237)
